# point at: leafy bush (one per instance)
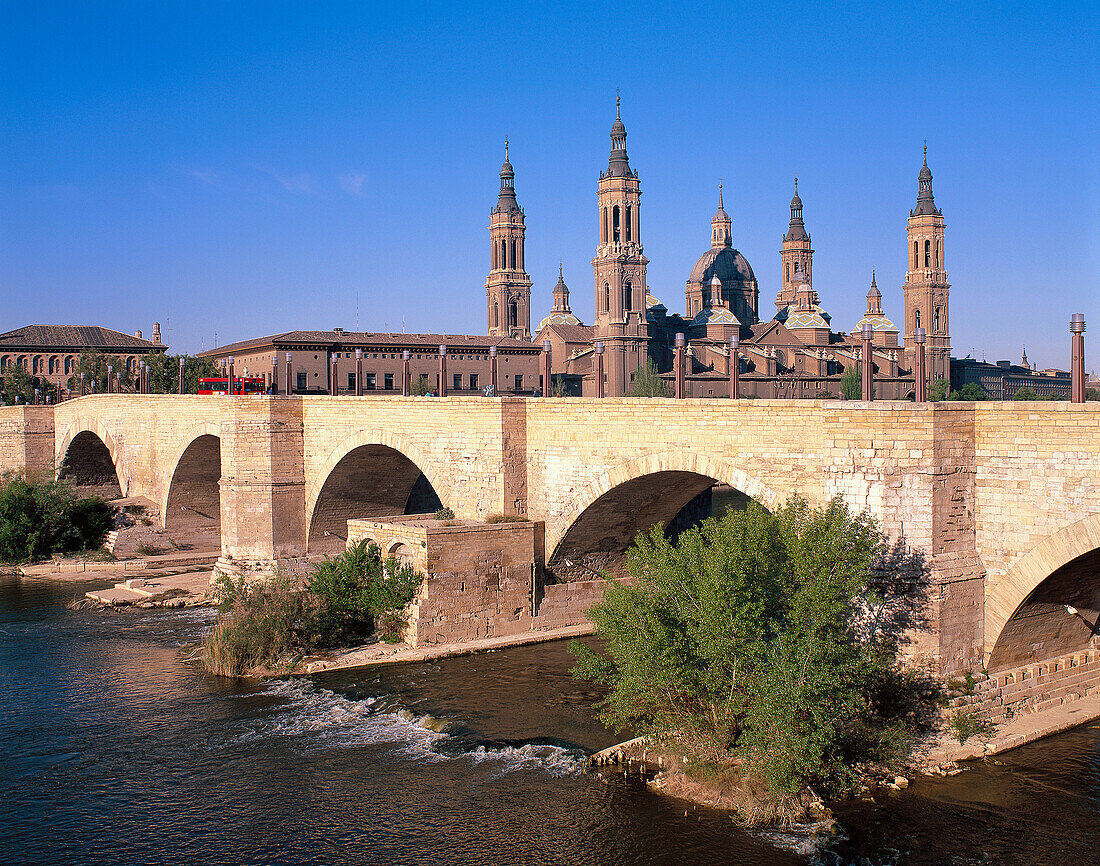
(765, 639)
(271, 624)
(965, 725)
(939, 391)
(444, 514)
(40, 518)
(1025, 394)
(851, 384)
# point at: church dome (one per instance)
(726, 263)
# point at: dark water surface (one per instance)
(114, 750)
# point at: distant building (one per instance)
(52, 351)
(313, 353)
(795, 353)
(1002, 380)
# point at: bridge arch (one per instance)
(606, 515)
(369, 475)
(191, 505)
(91, 439)
(1025, 614)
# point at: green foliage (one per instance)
(1092, 394)
(40, 518)
(420, 388)
(164, 373)
(18, 386)
(271, 624)
(851, 385)
(444, 514)
(970, 392)
(93, 365)
(965, 725)
(1025, 394)
(648, 382)
(939, 391)
(768, 638)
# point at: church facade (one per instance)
(794, 353)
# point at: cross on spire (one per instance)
(617, 98)
(720, 206)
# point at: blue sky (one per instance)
(249, 168)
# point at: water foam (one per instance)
(319, 717)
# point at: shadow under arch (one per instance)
(89, 464)
(192, 509)
(594, 532)
(1026, 619)
(370, 480)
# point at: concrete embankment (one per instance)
(383, 653)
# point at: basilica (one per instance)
(793, 353)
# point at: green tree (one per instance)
(18, 383)
(648, 382)
(851, 384)
(40, 518)
(939, 391)
(1025, 394)
(758, 637)
(970, 392)
(1092, 394)
(164, 373)
(93, 364)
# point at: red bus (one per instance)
(241, 385)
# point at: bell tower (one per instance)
(508, 288)
(926, 287)
(798, 256)
(620, 266)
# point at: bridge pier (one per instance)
(262, 485)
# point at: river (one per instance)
(115, 750)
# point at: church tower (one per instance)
(797, 255)
(508, 288)
(926, 286)
(620, 267)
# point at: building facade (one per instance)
(508, 287)
(313, 355)
(53, 351)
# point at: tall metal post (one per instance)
(358, 372)
(274, 373)
(868, 365)
(442, 371)
(678, 367)
(289, 370)
(1077, 357)
(735, 367)
(598, 350)
(81, 384)
(179, 384)
(110, 379)
(406, 388)
(920, 368)
(230, 367)
(546, 385)
(493, 370)
(333, 381)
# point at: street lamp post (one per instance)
(920, 371)
(406, 384)
(443, 371)
(546, 349)
(678, 363)
(867, 365)
(493, 370)
(598, 349)
(358, 372)
(1077, 357)
(735, 367)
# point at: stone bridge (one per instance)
(1002, 498)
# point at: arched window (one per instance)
(628, 290)
(628, 225)
(916, 260)
(936, 321)
(503, 254)
(513, 314)
(916, 318)
(928, 254)
(939, 254)
(513, 264)
(615, 227)
(606, 298)
(603, 225)
(496, 315)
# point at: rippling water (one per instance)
(116, 751)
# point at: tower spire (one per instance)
(925, 202)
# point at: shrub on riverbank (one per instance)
(41, 518)
(765, 645)
(271, 624)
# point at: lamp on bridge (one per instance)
(920, 372)
(229, 364)
(358, 372)
(1077, 357)
(406, 387)
(442, 370)
(180, 382)
(493, 370)
(289, 358)
(867, 366)
(110, 379)
(735, 366)
(82, 384)
(598, 350)
(546, 348)
(678, 366)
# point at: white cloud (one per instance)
(303, 183)
(352, 182)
